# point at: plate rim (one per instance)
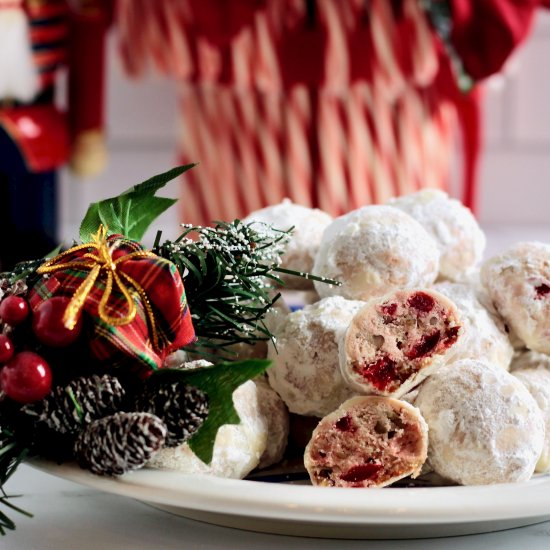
(319, 505)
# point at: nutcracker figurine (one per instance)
(37, 38)
(332, 103)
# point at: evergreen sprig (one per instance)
(231, 275)
(229, 271)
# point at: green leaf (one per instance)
(218, 382)
(132, 212)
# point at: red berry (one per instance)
(381, 373)
(422, 302)
(47, 323)
(26, 378)
(451, 334)
(541, 290)
(425, 347)
(345, 424)
(14, 310)
(362, 472)
(388, 309)
(6, 348)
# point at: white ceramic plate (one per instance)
(328, 512)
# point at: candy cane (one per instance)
(422, 49)
(360, 147)
(331, 138)
(297, 122)
(391, 79)
(194, 207)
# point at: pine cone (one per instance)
(36, 436)
(18, 288)
(120, 442)
(183, 409)
(68, 409)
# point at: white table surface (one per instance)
(70, 516)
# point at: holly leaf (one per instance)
(131, 213)
(218, 382)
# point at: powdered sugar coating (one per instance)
(374, 250)
(394, 342)
(537, 382)
(533, 369)
(484, 426)
(484, 335)
(487, 303)
(453, 226)
(273, 409)
(308, 223)
(367, 442)
(237, 447)
(180, 359)
(305, 370)
(518, 283)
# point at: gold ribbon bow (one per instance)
(98, 261)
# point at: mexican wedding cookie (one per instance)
(275, 412)
(237, 447)
(484, 425)
(305, 370)
(394, 342)
(368, 441)
(485, 336)
(518, 283)
(533, 370)
(374, 250)
(308, 224)
(453, 226)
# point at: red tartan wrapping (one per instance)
(129, 344)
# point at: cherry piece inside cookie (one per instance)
(393, 342)
(368, 442)
(542, 290)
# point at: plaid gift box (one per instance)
(133, 301)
